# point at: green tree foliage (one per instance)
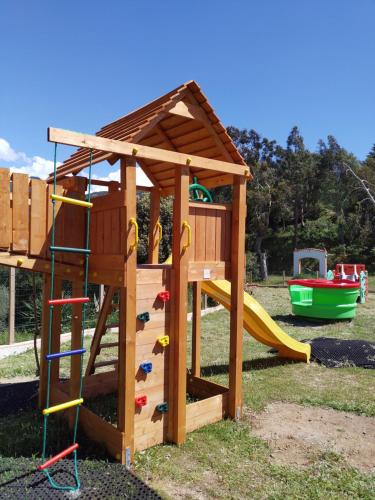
(300, 198)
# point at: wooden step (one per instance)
(107, 345)
(106, 363)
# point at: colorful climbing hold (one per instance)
(163, 340)
(164, 296)
(141, 401)
(146, 367)
(144, 317)
(162, 407)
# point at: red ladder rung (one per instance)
(58, 457)
(75, 300)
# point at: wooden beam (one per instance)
(154, 231)
(76, 343)
(105, 310)
(44, 340)
(138, 151)
(127, 315)
(56, 332)
(69, 272)
(236, 313)
(12, 305)
(179, 289)
(196, 330)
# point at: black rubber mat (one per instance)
(336, 353)
(98, 481)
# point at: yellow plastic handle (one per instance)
(186, 225)
(134, 223)
(160, 227)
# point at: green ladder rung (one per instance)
(70, 249)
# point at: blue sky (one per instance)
(265, 65)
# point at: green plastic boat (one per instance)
(324, 299)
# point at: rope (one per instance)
(52, 482)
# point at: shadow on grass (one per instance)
(253, 364)
(299, 321)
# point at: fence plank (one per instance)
(20, 212)
(38, 218)
(5, 214)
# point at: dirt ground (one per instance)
(296, 434)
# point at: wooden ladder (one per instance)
(100, 330)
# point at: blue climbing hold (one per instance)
(146, 367)
(144, 317)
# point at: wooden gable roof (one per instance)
(181, 121)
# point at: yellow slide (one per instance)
(258, 322)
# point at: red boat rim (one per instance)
(322, 283)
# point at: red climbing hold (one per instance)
(164, 296)
(141, 401)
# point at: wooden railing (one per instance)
(211, 225)
(26, 216)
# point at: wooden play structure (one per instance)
(174, 139)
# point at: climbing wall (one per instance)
(152, 356)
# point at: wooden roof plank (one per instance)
(187, 100)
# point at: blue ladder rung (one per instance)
(69, 249)
(65, 353)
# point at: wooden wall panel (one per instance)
(211, 216)
(200, 234)
(211, 229)
(38, 218)
(150, 426)
(5, 213)
(20, 213)
(59, 223)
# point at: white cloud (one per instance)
(6, 152)
(35, 166)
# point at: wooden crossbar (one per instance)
(62, 406)
(138, 151)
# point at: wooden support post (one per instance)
(56, 333)
(154, 232)
(12, 304)
(100, 329)
(196, 344)
(127, 314)
(75, 361)
(177, 432)
(44, 340)
(236, 314)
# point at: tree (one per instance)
(259, 154)
(301, 172)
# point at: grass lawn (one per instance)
(226, 460)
